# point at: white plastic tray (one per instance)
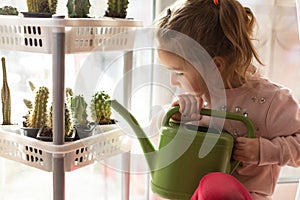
(82, 34)
(77, 154)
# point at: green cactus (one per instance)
(9, 10)
(5, 97)
(117, 8)
(78, 8)
(68, 124)
(38, 116)
(42, 6)
(52, 6)
(100, 109)
(78, 107)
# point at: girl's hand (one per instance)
(190, 106)
(246, 150)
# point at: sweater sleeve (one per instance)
(282, 147)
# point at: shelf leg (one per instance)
(128, 59)
(58, 83)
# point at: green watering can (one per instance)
(176, 167)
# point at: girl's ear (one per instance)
(220, 63)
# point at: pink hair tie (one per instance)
(216, 2)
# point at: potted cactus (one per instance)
(100, 108)
(5, 96)
(78, 108)
(117, 8)
(37, 116)
(40, 8)
(9, 10)
(101, 112)
(46, 134)
(78, 8)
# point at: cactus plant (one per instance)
(78, 107)
(42, 6)
(100, 108)
(78, 8)
(68, 123)
(38, 115)
(52, 6)
(5, 96)
(117, 8)
(9, 10)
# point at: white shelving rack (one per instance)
(59, 36)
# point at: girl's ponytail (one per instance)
(237, 24)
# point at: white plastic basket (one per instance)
(76, 154)
(82, 35)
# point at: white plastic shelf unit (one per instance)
(82, 34)
(59, 36)
(77, 154)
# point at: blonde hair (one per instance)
(224, 29)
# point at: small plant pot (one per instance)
(45, 134)
(84, 131)
(36, 15)
(105, 127)
(30, 132)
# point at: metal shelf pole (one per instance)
(58, 78)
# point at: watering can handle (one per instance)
(219, 114)
(215, 113)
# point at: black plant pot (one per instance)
(30, 132)
(84, 131)
(45, 134)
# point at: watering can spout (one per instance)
(146, 145)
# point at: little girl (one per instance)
(224, 29)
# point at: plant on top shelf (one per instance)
(42, 6)
(37, 116)
(5, 96)
(9, 10)
(100, 108)
(78, 8)
(117, 8)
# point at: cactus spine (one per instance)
(78, 107)
(38, 116)
(117, 8)
(5, 96)
(100, 109)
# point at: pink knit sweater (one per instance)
(276, 117)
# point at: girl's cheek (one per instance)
(174, 80)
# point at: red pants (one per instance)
(220, 186)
